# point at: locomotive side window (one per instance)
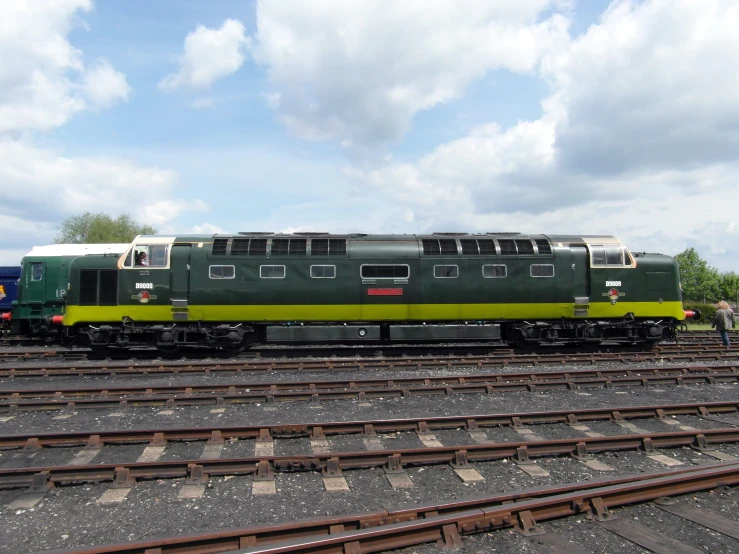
(614, 255)
(494, 271)
(222, 272)
(609, 255)
(372, 271)
(542, 270)
(272, 271)
(446, 271)
(599, 255)
(152, 255)
(37, 271)
(323, 271)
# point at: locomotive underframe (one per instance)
(237, 336)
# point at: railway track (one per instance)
(674, 354)
(222, 394)
(707, 343)
(328, 450)
(445, 523)
(266, 432)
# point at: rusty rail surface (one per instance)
(674, 354)
(333, 464)
(362, 389)
(443, 522)
(366, 427)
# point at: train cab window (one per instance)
(446, 271)
(148, 255)
(323, 271)
(494, 271)
(272, 271)
(542, 270)
(375, 271)
(37, 271)
(609, 255)
(222, 272)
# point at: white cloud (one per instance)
(359, 71)
(206, 229)
(105, 86)
(210, 54)
(43, 81)
(638, 138)
(38, 179)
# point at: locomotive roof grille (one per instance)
(328, 247)
(289, 247)
(219, 247)
(258, 247)
(507, 247)
(544, 246)
(524, 246)
(439, 247)
(487, 247)
(239, 247)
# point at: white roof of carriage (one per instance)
(78, 249)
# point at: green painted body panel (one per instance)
(649, 290)
(38, 299)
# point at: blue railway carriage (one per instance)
(9, 277)
(230, 291)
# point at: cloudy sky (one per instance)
(539, 116)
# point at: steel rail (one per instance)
(368, 427)
(352, 364)
(364, 531)
(332, 464)
(225, 394)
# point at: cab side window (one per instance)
(37, 271)
(151, 255)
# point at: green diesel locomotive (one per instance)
(231, 291)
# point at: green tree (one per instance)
(700, 282)
(730, 287)
(100, 228)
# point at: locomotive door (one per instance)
(580, 292)
(179, 281)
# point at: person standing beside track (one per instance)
(723, 321)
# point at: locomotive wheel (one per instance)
(232, 350)
(169, 350)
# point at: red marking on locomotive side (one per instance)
(385, 292)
